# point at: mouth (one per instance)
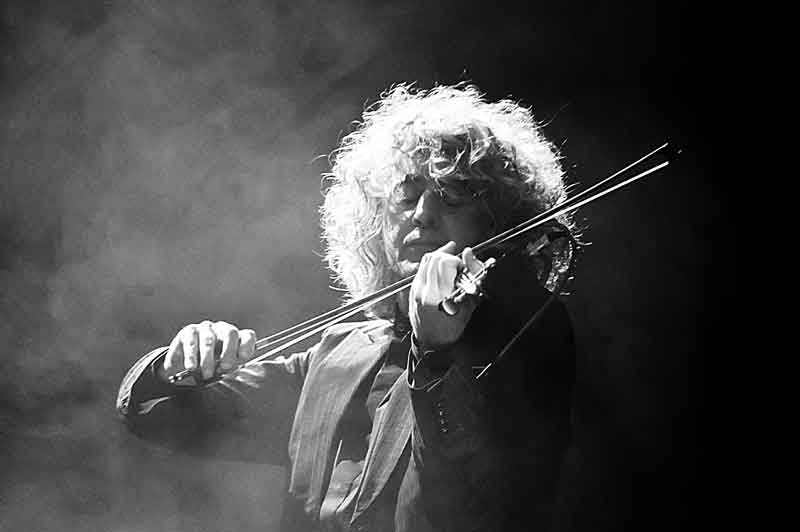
(420, 246)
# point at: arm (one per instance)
(488, 450)
(245, 414)
(493, 446)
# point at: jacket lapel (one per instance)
(390, 435)
(331, 381)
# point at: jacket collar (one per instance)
(390, 435)
(343, 359)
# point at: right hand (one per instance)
(208, 347)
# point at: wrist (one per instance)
(424, 345)
(433, 358)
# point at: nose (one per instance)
(428, 210)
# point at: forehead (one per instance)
(451, 181)
(440, 158)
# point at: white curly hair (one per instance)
(447, 132)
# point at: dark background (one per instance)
(159, 164)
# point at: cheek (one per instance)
(468, 230)
(395, 228)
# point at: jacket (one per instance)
(446, 451)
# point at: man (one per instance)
(392, 423)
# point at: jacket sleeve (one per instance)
(490, 448)
(245, 415)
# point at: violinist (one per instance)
(407, 421)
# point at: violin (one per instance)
(469, 284)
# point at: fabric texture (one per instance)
(463, 454)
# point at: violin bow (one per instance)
(266, 347)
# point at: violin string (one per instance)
(319, 323)
(401, 285)
(312, 323)
(324, 325)
(599, 195)
(524, 226)
(358, 304)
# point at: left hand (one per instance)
(435, 281)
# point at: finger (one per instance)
(472, 264)
(450, 307)
(229, 336)
(189, 342)
(247, 345)
(429, 282)
(440, 277)
(449, 248)
(447, 268)
(207, 342)
(173, 361)
(418, 284)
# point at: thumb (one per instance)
(472, 264)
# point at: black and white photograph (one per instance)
(388, 266)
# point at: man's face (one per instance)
(423, 216)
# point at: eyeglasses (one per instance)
(452, 194)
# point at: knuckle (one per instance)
(417, 290)
(206, 341)
(222, 327)
(231, 344)
(450, 261)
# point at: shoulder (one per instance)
(373, 329)
(366, 327)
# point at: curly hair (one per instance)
(445, 133)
